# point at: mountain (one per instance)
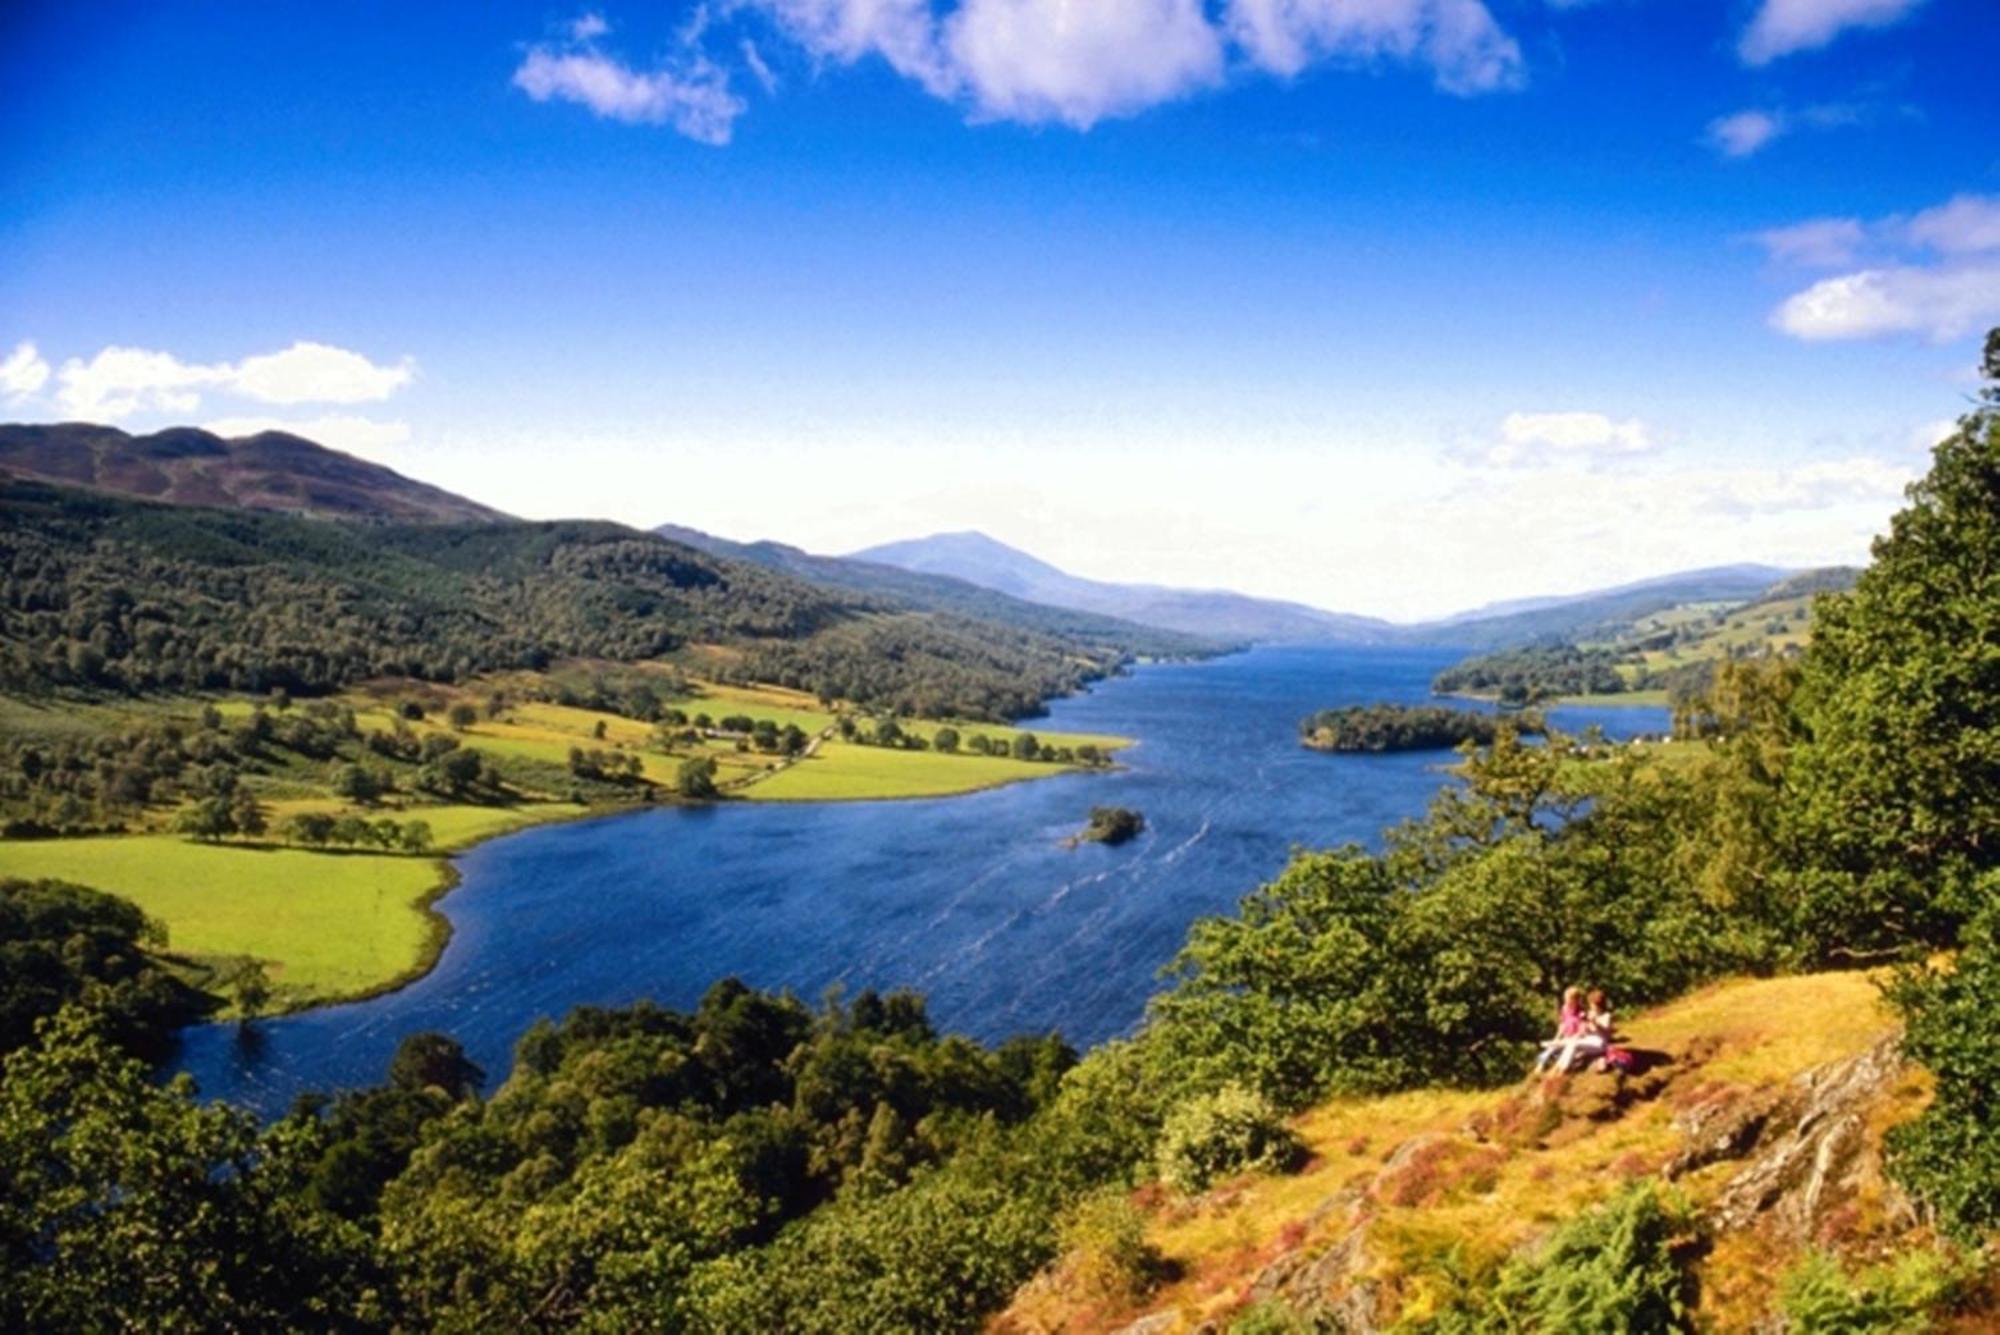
(947, 593)
(268, 471)
(1215, 614)
(1597, 614)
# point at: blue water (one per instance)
(972, 900)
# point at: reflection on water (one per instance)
(973, 900)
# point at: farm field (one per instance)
(842, 771)
(325, 925)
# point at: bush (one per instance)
(1820, 1298)
(1105, 1237)
(1620, 1267)
(1233, 1130)
(1950, 1156)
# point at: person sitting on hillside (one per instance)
(1570, 1022)
(1593, 1039)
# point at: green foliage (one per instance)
(1104, 1238)
(1113, 825)
(1386, 727)
(1894, 796)
(1820, 1297)
(126, 1205)
(1612, 1270)
(62, 944)
(1950, 1155)
(1213, 1136)
(696, 777)
(1531, 675)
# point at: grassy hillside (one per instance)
(1402, 1197)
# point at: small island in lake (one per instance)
(1387, 727)
(1110, 825)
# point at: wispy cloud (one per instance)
(121, 381)
(1782, 27)
(689, 92)
(1459, 41)
(1742, 133)
(1935, 273)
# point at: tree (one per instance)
(311, 828)
(945, 739)
(355, 783)
(431, 1060)
(246, 814)
(416, 837)
(208, 820)
(696, 777)
(1894, 797)
(129, 1205)
(250, 988)
(462, 715)
(1026, 747)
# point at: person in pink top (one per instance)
(1571, 1022)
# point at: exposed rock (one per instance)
(1156, 1323)
(1811, 1152)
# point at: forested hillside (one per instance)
(103, 593)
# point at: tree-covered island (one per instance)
(1390, 727)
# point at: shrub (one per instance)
(1105, 1236)
(1820, 1298)
(1217, 1135)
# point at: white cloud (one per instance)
(1459, 40)
(120, 381)
(1942, 303)
(23, 373)
(1964, 225)
(1535, 438)
(362, 436)
(1035, 61)
(1925, 437)
(901, 32)
(1935, 273)
(1820, 243)
(1782, 27)
(1820, 485)
(588, 27)
(1744, 132)
(317, 373)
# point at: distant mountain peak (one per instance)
(981, 559)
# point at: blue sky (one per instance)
(1388, 305)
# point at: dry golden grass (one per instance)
(1481, 1176)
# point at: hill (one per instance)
(1767, 1109)
(1664, 654)
(1597, 614)
(268, 471)
(1216, 614)
(105, 593)
(947, 593)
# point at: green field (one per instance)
(844, 772)
(326, 925)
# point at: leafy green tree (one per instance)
(945, 739)
(250, 988)
(312, 828)
(696, 777)
(1894, 796)
(1026, 747)
(208, 819)
(129, 1205)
